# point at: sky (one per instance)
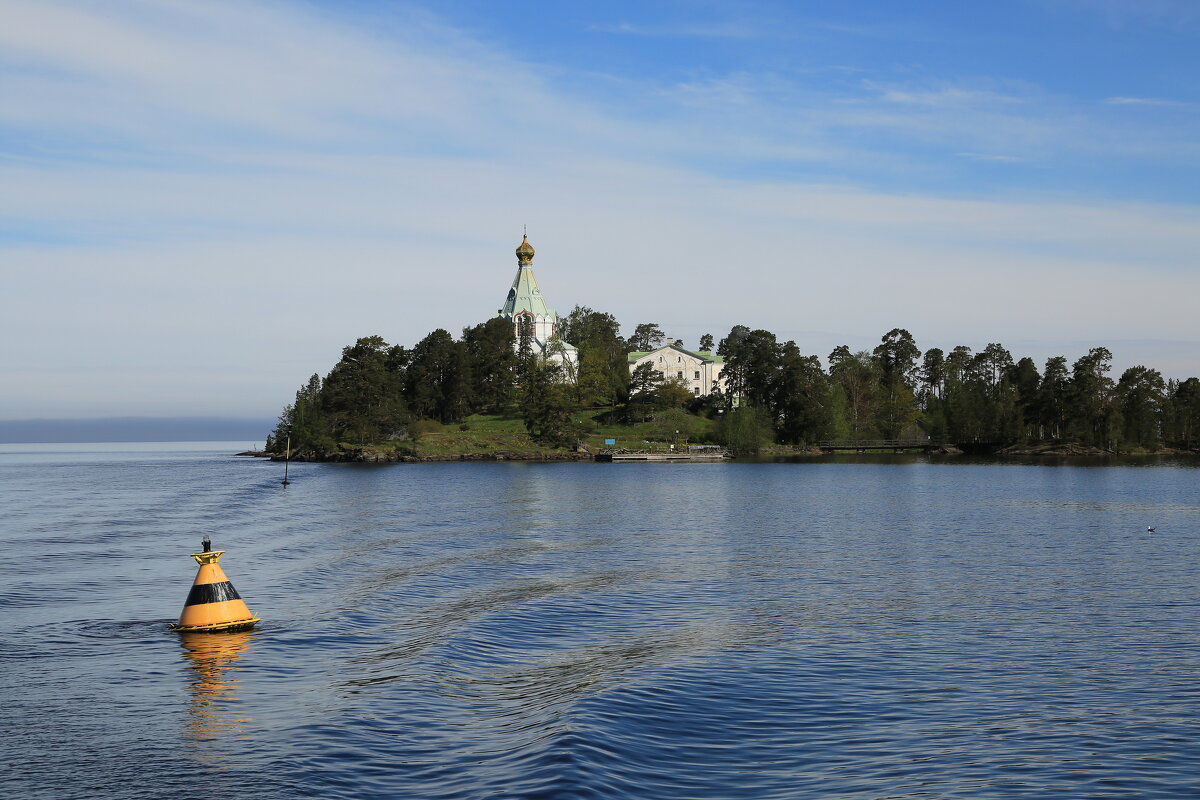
(202, 203)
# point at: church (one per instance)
(527, 308)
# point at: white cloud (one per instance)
(242, 189)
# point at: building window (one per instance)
(679, 374)
(697, 375)
(679, 358)
(696, 391)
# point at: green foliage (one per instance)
(603, 378)
(647, 336)
(1183, 413)
(1052, 397)
(857, 377)
(1026, 382)
(418, 429)
(743, 430)
(362, 397)
(730, 343)
(643, 384)
(491, 360)
(1142, 399)
(378, 394)
(706, 343)
(1093, 415)
(672, 393)
(675, 425)
(802, 398)
(438, 379)
(548, 403)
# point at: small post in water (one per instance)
(287, 454)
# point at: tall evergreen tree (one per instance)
(438, 378)
(647, 336)
(801, 407)
(751, 366)
(363, 395)
(896, 358)
(603, 368)
(1142, 396)
(856, 376)
(1053, 398)
(1185, 414)
(491, 365)
(547, 406)
(1092, 411)
(1026, 382)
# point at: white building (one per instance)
(527, 307)
(700, 371)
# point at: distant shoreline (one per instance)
(96, 430)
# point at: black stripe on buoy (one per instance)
(212, 593)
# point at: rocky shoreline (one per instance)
(366, 455)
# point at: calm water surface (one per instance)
(848, 628)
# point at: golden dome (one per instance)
(525, 252)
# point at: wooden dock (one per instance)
(621, 456)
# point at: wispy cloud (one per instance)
(1149, 101)
(716, 30)
(1172, 14)
(203, 171)
(947, 97)
(742, 27)
(991, 157)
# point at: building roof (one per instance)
(525, 294)
(703, 355)
(525, 251)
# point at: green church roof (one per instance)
(525, 294)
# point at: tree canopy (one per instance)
(773, 391)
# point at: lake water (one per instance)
(875, 628)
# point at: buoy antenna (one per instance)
(206, 545)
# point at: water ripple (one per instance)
(827, 629)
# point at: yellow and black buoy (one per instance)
(213, 604)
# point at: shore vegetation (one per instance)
(485, 395)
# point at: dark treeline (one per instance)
(378, 392)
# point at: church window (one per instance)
(679, 374)
(696, 391)
(697, 375)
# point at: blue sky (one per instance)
(200, 204)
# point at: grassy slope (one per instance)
(497, 433)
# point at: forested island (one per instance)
(486, 395)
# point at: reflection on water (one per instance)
(847, 627)
(214, 712)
